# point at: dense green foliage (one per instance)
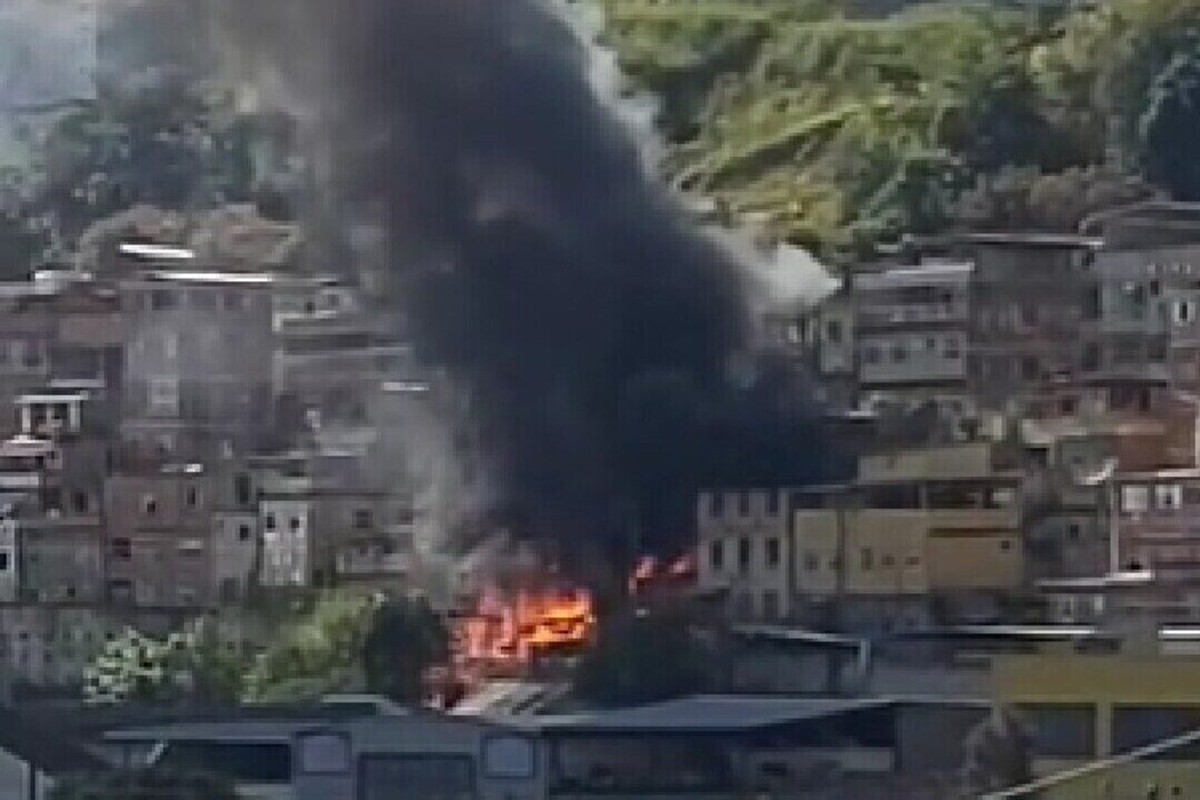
(193, 665)
(348, 643)
(837, 131)
(327, 644)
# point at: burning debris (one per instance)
(514, 610)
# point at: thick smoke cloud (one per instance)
(593, 327)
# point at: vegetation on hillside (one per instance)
(335, 642)
(836, 132)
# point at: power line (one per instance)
(1152, 749)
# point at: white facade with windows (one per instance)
(286, 555)
(744, 551)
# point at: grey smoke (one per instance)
(590, 323)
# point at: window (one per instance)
(867, 559)
(436, 777)
(1137, 726)
(772, 503)
(743, 554)
(1185, 312)
(833, 331)
(243, 533)
(1005, 545)
(1062, 730)
(163, 300)
(164, 395)
(773, 552)
(1168, 496)
(811, 562)
(1031, 368)
(716, 504)
(1090, 361)
(1157, 350)
(193, 497)
(952, 348)
(149, 505)
(241, 490)
(1073, 531)
(1135, 499)
(871, 354)
(743, 504)
(716, 555)
(171, 345)
(122, 549)
(888, 560)
(3, 562)
(324, 753)
(270, 522)
(362, 519)
(931, 344)
(899, 354)
(79, 502)
(294, 524)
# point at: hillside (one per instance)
(837, 131)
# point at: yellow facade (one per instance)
(1106, 686)
(894, 552)
(951, 462)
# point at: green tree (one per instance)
(143, 785)
(318, 654)
(1025, 198)
(190, 666)
(405, 639)
(641, 658)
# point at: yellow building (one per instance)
(939, 521)
(1082, 708)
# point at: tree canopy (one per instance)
(835, 130)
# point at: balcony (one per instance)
(355, 564)
(910, 315)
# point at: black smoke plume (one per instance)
(592, 324)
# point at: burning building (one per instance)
(514, 611)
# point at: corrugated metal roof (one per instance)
(708, 714)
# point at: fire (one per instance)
(649, 572)
(506, 633)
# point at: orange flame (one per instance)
(507, 633)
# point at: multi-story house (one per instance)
(920, 536)
(1158, 531)
(913, 336)
(323, 523)
(198, 355)
(54, 328)
(822, 336)
(744, 552)
(159, 546)
(330, 360)
(12, 505)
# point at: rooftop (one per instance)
(1014, 239)
(25, 446)
(709, 714)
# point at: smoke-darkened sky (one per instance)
(590, 321)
